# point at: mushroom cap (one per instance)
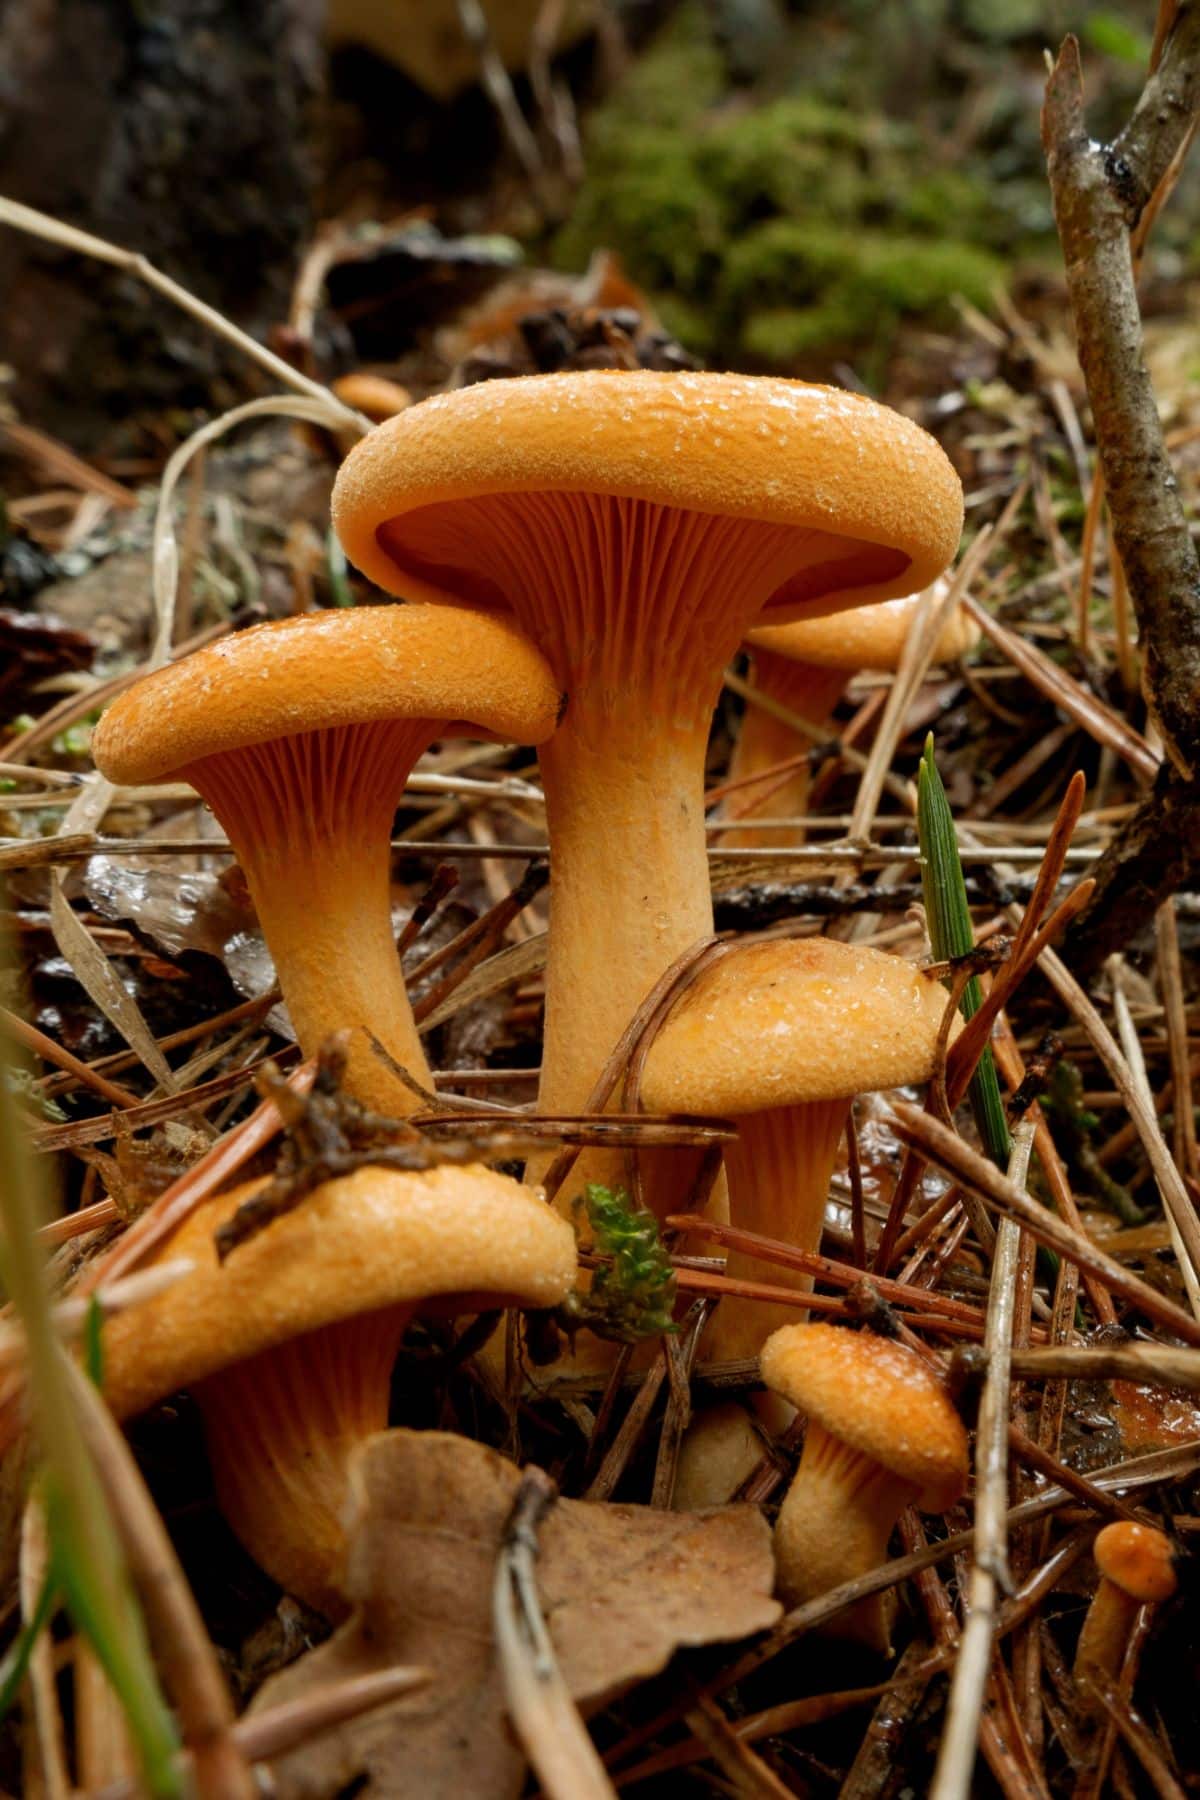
(328, 669)
(871, 637)
(373, 1239)
(1137, 1558)
(792, 1020)
(770, 450)
(877, 1396)
(373, 395)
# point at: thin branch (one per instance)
(546, 1718)
(960, 1738)
(68, 237)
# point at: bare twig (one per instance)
(956, 1756)
(539, 1701)
(25, 218)
(1101, 194)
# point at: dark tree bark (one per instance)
(184, 130)
(1101, 194)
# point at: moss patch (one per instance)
(775, 230)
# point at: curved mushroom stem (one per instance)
(1106, 1630)
(835, 1524)
(809, 692)
(779, 1170)
(310, 819)
(280, 1428)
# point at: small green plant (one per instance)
(633, 1293)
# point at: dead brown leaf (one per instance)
(622, 1588)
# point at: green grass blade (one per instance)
(952, 934)
(85, 1553)
(16, 1659)
(93, 1343)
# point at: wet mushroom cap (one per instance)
(373, 1239)
(876, 1396)
(794, 1020)
(870, 637)
(780, 452)
(1137, 1559)
(326, 670)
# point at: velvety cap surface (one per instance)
(778, 451)
(871, 637)
(778, 1023)
(349, 667)
(879, 1397)
(1138, 1559)
(372, 1239)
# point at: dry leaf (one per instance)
(622, 1587)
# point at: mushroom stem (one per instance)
(778, 1170)
(280, 1427)
(810, 693)
(834, 1525)
(310, 819)
(1106, 1629)
(630, 893)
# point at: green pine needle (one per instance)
(952, 934)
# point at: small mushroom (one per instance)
(779, 1037)
(637, 524)
(1136, 1569)
(881, 1434)
(288, 1344)
(806, 666)
(301, 734)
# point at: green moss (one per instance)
(781, 227)
(788, 288)
(789, 156)
(652, 206)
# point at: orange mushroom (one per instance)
(882, 1434)
(1136, 1569)
(779, 1037)
(805, 667)
(637, 524)
(300, 735)
(288, 1344)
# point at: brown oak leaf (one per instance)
(622, 1588)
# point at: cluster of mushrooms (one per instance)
(579, 557)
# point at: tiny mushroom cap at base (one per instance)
(289, 1343)
(636, 524)
(779, 1036)
(881, 1434)
(300, 734)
